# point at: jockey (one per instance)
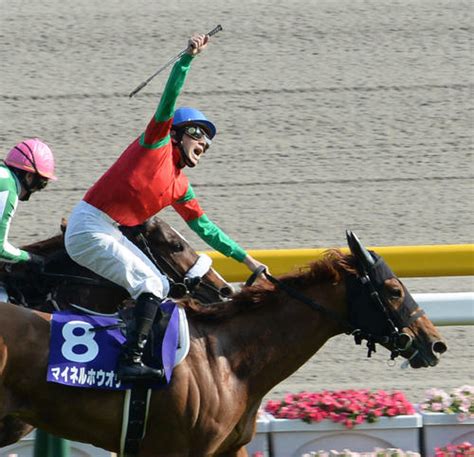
(27, 168)
(146, 178)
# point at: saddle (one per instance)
(153, 354)
(102, 336)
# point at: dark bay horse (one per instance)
(64, 282)
(240, 349)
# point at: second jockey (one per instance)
(27, 168)
(146, 178)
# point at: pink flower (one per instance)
(349, 423)
(460, 400)
(437, 407)
(350, 407)
(453, 450)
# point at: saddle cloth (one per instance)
(84, 348)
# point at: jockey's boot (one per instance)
(131, 366)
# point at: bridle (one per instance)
(371, 280)
(373, 271)
(177, 289)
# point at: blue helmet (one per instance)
(186, 115)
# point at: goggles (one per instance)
(39, 183)
(197, 133)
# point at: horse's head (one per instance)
(382, 311)
(180, 262)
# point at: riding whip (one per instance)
(167, 64)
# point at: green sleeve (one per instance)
(216, 238)
(8, 204)
(157, 132)
(173, 88)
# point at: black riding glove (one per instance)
(35, 262)
(192, 283)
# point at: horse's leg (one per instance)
(12, 430)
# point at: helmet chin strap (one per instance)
(29, 189)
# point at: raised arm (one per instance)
(158, 130)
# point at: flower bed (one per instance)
(455, 450)
(347, 407)
(448, 419)
(348, 419)
(459, 401)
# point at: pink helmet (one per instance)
(34, 156)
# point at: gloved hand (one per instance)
(177, 290)
(35, 263)
(192, 283)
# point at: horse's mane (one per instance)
(155, 223)
(329, 269)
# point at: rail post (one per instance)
(47, 445)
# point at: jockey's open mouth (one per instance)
(194, 155)
(197, 152)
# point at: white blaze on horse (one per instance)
(239, 350)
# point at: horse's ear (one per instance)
(359, 251)
(63, 225)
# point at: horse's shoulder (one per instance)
(45, 316)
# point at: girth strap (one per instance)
(135, 415)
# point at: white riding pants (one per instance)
(93, 240)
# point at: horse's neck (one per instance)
(46, 246)
(271, 342)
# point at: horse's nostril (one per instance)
(439, 347)
(226, 291)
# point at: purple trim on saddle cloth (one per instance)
(170, 339)
(82, 358)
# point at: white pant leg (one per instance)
(94, 241)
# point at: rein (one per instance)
(310, 302)
(399, 341)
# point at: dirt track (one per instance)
(331, 115)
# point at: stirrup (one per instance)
(138, 371)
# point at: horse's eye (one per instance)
(177, 247)
(396, 293)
